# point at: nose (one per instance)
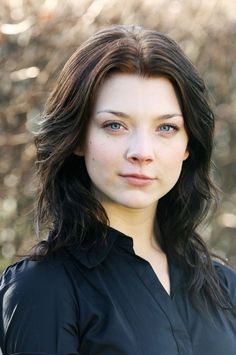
(140, 150)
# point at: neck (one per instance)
(136, 223)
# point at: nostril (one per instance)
(138, 158)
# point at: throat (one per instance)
(158, 262)
(137, 224)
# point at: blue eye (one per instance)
(115, 125)
(168, 128)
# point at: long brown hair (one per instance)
(65, 204)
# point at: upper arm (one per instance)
(39, 313)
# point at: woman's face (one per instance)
(136, 141)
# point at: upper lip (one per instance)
(138, 176)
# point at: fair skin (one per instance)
(134, 150)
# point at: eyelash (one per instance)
(171, 126)
(109, 124)
(175, 128)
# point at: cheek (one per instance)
(175, 155)
(97, 155)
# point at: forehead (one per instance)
(133, 93)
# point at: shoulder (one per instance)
(225, 272)
(27, 270)
(27, 279)
(37, 301)
(227, 276)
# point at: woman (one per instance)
(124, 155)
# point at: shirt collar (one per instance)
(97, 252)
(93, 255)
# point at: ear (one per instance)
(79, 151)
(186, 155)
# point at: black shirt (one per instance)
(107, 301)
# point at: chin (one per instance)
(136, 204)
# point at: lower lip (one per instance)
(137, 181)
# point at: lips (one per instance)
(137, 179)
(137, 176)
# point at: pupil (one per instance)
(115, 125)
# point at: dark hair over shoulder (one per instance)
(66, 206)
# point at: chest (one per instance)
(159, 265)
(126, 310)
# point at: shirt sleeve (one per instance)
(38, 309)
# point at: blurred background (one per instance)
(36, 39)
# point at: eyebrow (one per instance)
(125, 115)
